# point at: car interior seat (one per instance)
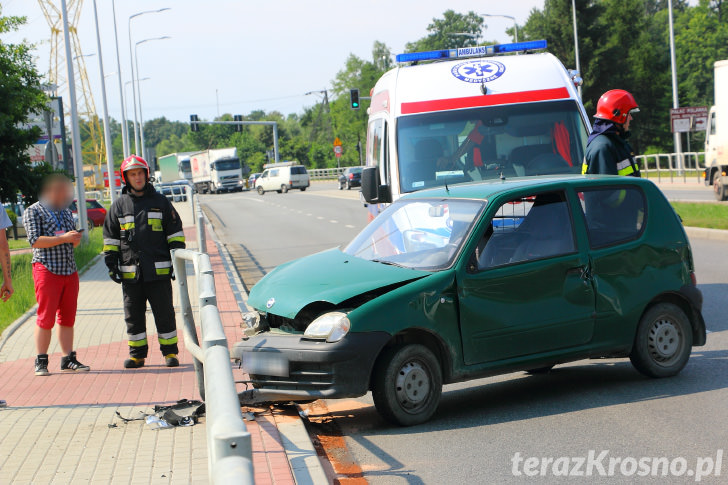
(544, 231)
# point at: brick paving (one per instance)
(57, 428)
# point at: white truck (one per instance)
(716, 135)
(217, 170)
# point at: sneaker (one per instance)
(133, 363)
(41, 365)
(171, 360)
(71, 364)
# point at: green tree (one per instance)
(21, 95)
(447, 32)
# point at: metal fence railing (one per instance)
(325, 173)
(666, 166)
(229, 447)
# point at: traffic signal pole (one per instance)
(194, 122)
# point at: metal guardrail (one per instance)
(667, 166)
(229, 447)
(325, 173)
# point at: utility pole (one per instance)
(124, 127)
(576, 44)
(107, 128)
(77, 160)
(675, 100)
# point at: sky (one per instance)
(247, 54)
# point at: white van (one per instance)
(470, 114)
(282, 177)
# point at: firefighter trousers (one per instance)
(159, 296)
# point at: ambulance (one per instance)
(471, 114)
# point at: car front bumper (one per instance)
(291, 368)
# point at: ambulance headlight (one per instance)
(330, 327)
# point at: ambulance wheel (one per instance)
(284, 188)
(719, 189)
(260, 190)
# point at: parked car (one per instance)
(252, 179)
(350, 178)
(282, 177)
(474, 280)
(173, 191)
(95, 213)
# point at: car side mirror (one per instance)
(371, 188)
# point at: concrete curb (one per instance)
(705, 233)
(300, 452)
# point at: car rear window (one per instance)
(613, 215)
(298, 170)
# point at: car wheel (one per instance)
(718, 188)
(260, 190)
(303, 189)
(540, 370)
(407, 384)
(348, 186)
(284, 189)
(90, 224)
(663, 342)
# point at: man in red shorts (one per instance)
(52, 235)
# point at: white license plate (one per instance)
(265, 363)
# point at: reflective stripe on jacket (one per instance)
(609, 154)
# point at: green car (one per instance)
(474, 280)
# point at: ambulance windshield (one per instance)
(484, 143)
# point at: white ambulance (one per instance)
(471, 114)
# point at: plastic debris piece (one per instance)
(249, 416)
(157, 423)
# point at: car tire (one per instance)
(407, 384)
(90, 224)
(303, 189)
(284, 189)
(540, 370)
(719, 189)
(663, 341)
(261, 191)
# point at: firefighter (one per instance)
(607, 149)
(140, 229)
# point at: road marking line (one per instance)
(349, 226)
(319, 217)
(309, 214)
(332, 221)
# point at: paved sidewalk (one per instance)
(57, 428)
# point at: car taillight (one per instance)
(693, 278)
(351, 176)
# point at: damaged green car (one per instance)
(474, 280)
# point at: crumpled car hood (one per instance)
(331, 276)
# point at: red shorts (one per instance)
(56, 295)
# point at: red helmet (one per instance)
(133, 162)
(616, 105)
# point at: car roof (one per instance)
(490, 189)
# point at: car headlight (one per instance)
(251, 319)
(330, 327)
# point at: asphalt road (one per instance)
(481, 425)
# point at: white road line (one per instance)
(309, 214)
(349, 226)
(332, 221)
(319, 217)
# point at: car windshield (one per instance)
(230, 164)
(355, 170)
(485, 143)
(417, 234)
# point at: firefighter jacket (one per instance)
(609, 153)
(139, 232)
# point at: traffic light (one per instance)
(193, 123)
(354, 98)
(238, 128)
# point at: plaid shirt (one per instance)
(41, 221)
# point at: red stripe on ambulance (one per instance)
(484, 100)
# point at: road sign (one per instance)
(337, 142)
(694, 118)
(338, 150)
(117, 179)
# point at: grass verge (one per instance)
(711, 216)
(18, 244)
(24, 296)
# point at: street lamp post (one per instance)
(126, 95)
(131, 60)
(124, 127)
(107, 128)
(138, 88)
(675, 100)
(576, 43)
(77, 160)
(510, 17)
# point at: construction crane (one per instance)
(94, 150)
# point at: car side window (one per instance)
(613, 215)
(527, 228)
(273, 173)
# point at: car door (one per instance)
(263, 180)
(527, 288)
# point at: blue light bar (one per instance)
(478, 51)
